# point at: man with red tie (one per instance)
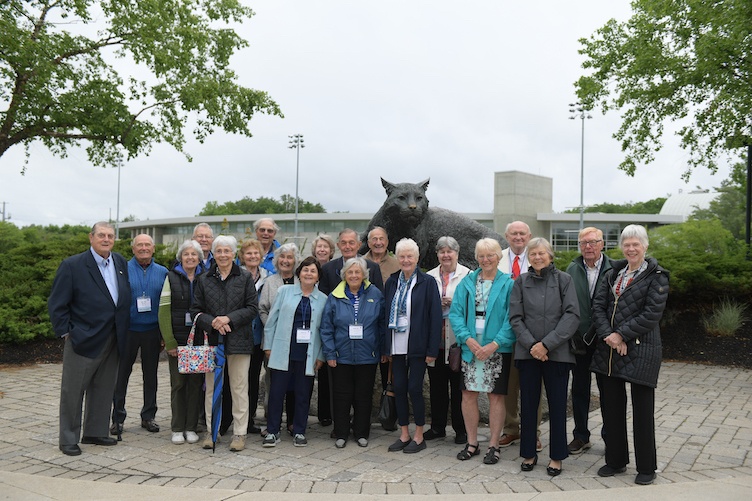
(514, 261)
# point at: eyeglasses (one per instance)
(266, 230)
(589, 243)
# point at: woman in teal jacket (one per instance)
(480, 319)
(293, 346)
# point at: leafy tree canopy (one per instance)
(58, 83)
(674, 60)
(261, 205)
(729, 207)
(650, 207)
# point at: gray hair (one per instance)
(407, 245)
(488, 244)
(540, 242)
(509, 225)
(634, 231)
(288, 248)
(203, 225)
(355, 261)
(188, 244)
(133, 242)
(225, 241)
(101, 224)
(258, 222)
(379, 228)
(447, 242)
(347, 231)
(325, 238)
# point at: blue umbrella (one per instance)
(219, 380)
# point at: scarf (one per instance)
(399, 301)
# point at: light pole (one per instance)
(117, 211)
(580, 111)
(296, 142)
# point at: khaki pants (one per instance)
(237, 370)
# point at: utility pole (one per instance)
(4, 213)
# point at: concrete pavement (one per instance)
(703, 428)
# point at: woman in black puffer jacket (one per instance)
(226, 305)
(626, 311)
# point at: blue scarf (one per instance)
(399, 301)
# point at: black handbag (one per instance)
(388, 407)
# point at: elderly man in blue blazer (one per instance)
(89, 307)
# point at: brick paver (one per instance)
(703, 428)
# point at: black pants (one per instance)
(352, 387)
(555, 376)
(407, 375)
(443, 383)
(257, 360)
(325, 394)
(150, 343)
(614, 412)
(581, 382)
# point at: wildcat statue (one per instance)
(406, 214)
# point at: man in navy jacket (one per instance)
(89, 307)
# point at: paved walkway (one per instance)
(703, 428)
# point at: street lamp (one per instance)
(296, 142)
(580, 111)
(117, 211)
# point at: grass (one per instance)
(727, 318)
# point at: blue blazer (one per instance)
(425, 316)
(80, 304)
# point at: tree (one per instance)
(674, 60)
(729, 207)
(262, 205)
(650, 207)
(58, 83)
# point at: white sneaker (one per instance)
(178, 438)
(191, 437)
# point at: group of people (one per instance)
(514, 323)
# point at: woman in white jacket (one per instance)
(443, 381)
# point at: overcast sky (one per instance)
(404, 90)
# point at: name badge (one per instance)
(143, 304)
(402, 323)
(480, 325)
(303, 336)
(356, 331)
(188, 321)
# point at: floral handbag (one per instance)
(196, 359)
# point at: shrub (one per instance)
(726, 319)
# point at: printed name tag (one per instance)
(402, 322)
(480, 325)
(188, 321)
(303, 336)
(356, 331)
(143, 304)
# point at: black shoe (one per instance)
(150, 425)
(529, 466)
(253, 429)
(116, 429)
(644, 478)
(608, 471)
(460, 438)
(414, 447)
(71, 450)
(325, 422)
(553, 472)
(398, 445)
(433, 434)
(98, 440)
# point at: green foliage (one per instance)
(650, 207)
(29, 258)
(59, 85)
(704, 259)
(262, 205)
(563, 258)
(727, 318)
(730, 206)
(674, 60)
